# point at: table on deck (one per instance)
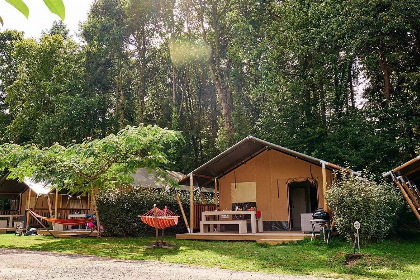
(10, 219)
(252, 213)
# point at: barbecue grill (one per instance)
(322, 218)
(321, 215)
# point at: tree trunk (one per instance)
(95, 208)
(214, 64)
(322, 101)
(141, 48)
(120, 100)
(350, 76)
(386, 72)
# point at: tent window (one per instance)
(243, 192)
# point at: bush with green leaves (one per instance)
(120, 210)
(360, 198)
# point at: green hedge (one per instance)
(119, 211)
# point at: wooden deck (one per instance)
(68, 233)
(270, 237)
(5, 230)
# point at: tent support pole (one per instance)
(324, 185)
(49, 205)
(182, 211)
(27, 206)
(407, 198)
(191, 203)
(408, 191)
(56, 204)
(216, 201)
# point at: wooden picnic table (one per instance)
(229, 212)
(10, 217)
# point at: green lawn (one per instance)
(392, 259)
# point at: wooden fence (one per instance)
(200, 208)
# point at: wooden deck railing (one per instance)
(9, 212)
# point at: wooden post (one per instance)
(28, 205)
(216, 201)
(95, 191)
(182, 211)
(324, 185)
(408, 191)
(56, 204)
(407, 198)
(191, 203)
(156, 225)
(49, 205)
(20, 204)
(88, 203)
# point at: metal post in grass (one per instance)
(356, 237)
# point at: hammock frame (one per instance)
(162, 219)
(76, 222)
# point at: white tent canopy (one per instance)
(38, 187)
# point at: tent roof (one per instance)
(11, 187)
(410, 170)
(144, 178)
(240, 153)
(15, 187)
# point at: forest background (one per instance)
(338, 80)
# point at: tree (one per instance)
(92, 166)
(8, 72)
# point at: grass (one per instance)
(391, 259)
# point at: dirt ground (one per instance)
(21, 264)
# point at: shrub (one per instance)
(119, 211)
(374, 204)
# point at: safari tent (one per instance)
(41, 198)
(279, 182)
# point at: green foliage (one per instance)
(375, 205)
(120, 210)
(20, 6)
(55, 6)
(307, 75)
(105, 162)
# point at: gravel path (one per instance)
(21, 264)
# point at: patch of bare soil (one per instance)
(352, 259)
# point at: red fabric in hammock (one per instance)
(165, 218)
(70, 222)
(162, 222)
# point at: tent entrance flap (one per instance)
(302, 199)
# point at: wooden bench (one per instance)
(240, 223)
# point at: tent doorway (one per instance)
(302, 199)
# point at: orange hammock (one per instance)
(66, 222)
(165, 218)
